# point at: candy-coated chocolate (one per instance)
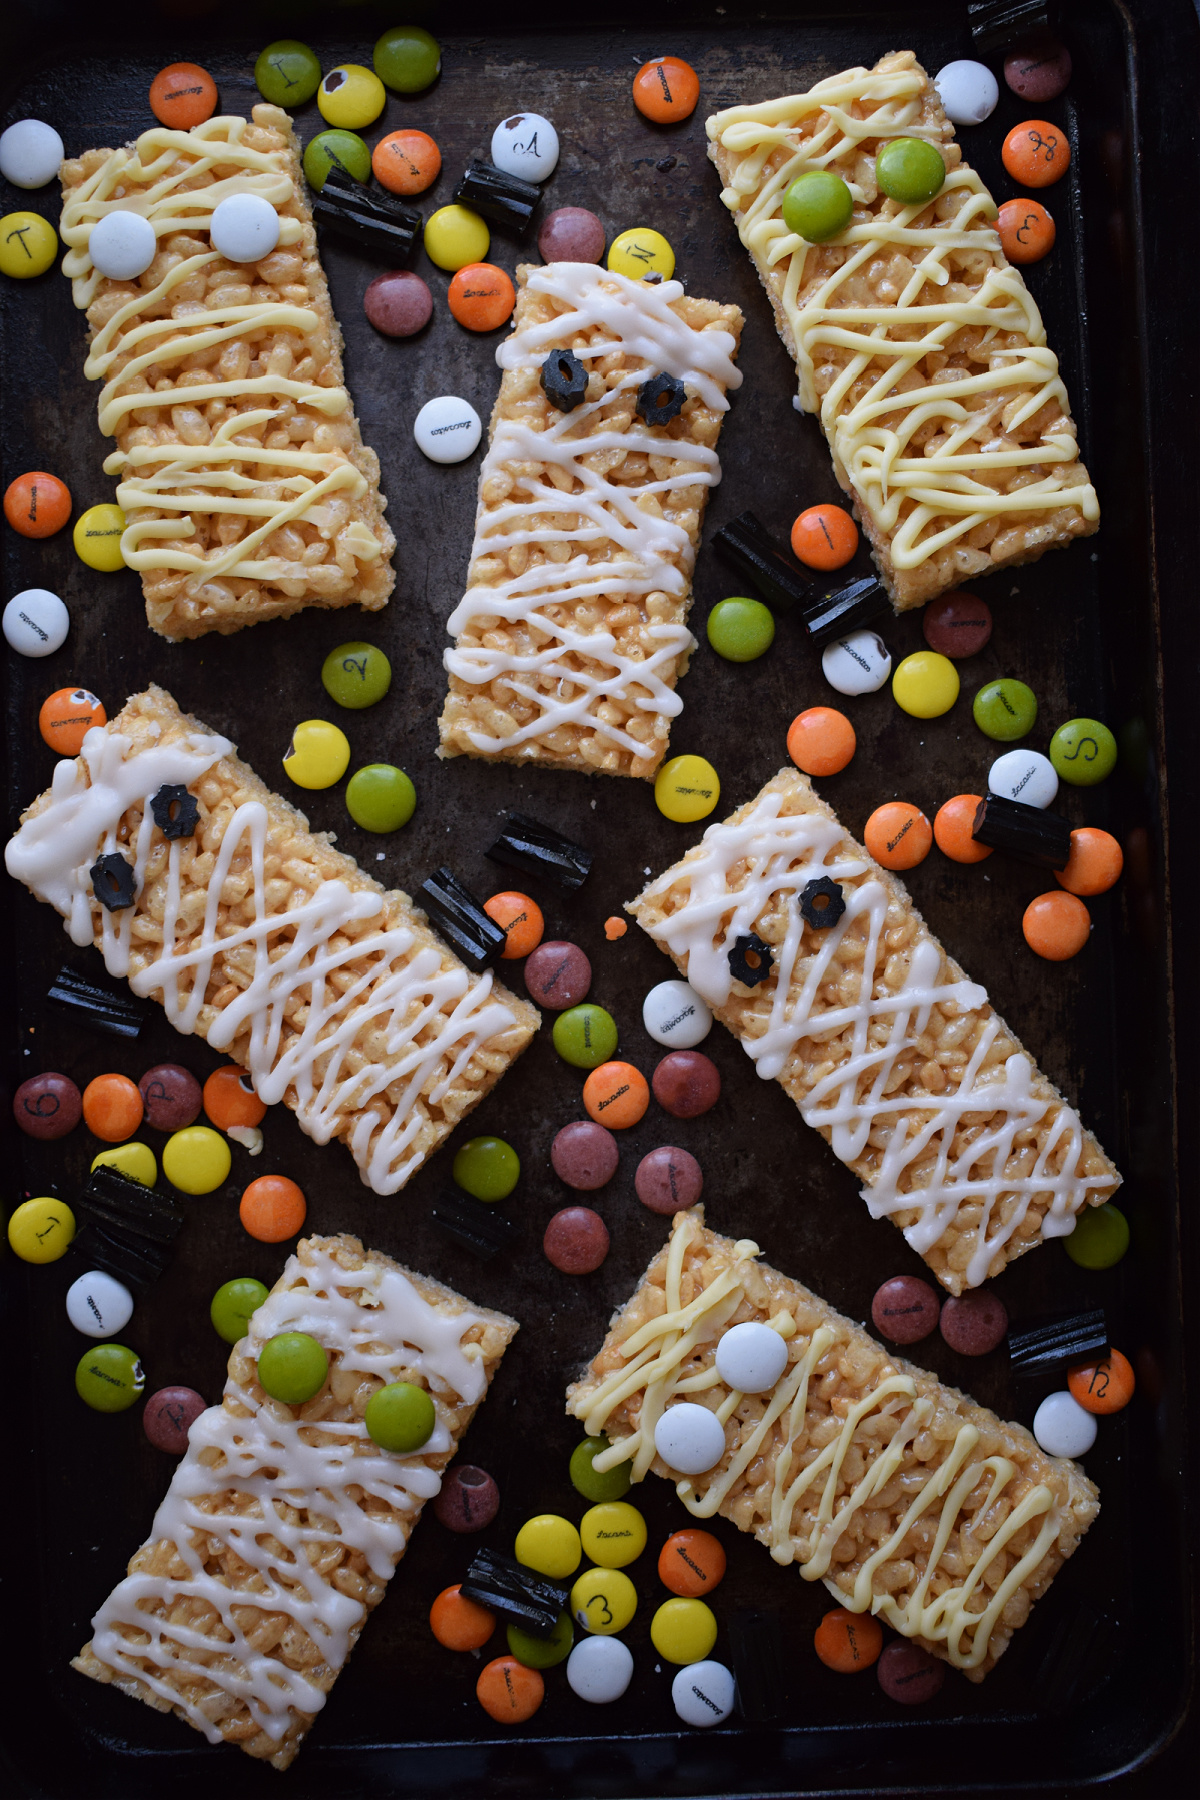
(456, 236)
(400, 1417)
(597, 1484)
(640, 252)
(974, 1324)
(244, 228)
(112, 1108)
(691, 1562)
(686, 1084)
(674, 1014)
(408, 58)
(109, 1378)
(1024, 775)
(909, 1674)
(683, 1631)
(97, 538)
(967, 90)
(666, 90)
(169, 1415)
(1039, 71)
(1100, 1238)
(1095, 862)
(318, 754)
(599, 1669)
(550, 1544)
(925, 684)
(751, 1357)
(122, 244)
(487, 1168)
(686, 788)
(287, 73)
(668, 1179)
(98, 1304)
(196, 1160)
(509, 1692)
(584, 1155)
(576, 1240)
(48, 1106)
(229, 1098)
(603, 1601)
(1056, 925)
(689, 1438)
(234, 1304)
(1084, 752)
(31, 153)
(1105, 1386)
(351, 96)
(848, 1642)
(343, 149)
(898, 835)
(459, 1623)
(571, 234)
(272, 1209)
(525, 145)
(292, 1367)
(447, 429)
(824, 537)
(613, 1534)
(171, 1096)
(469, 1499)
(957, 625)
(357, 674)
(740, 630)
(1005, 709)
(558, 975)
(28, 245)
(36, 622)
(1036, 153)
(542, 1652)
(905, 1309)
(183, 95)
(821, 740)
(380, 798)
(953, 826)
(37, 504)
(616, 1095)
(704, 1693)
(910, 170)
(406, 162)
(817, 206)
(584, 1036)
(67, 716)
(1062, 1427)
(481, 296)
(136, 1161)
(521, 921)
(40, 1230)
(1027, 231)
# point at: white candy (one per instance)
(703, 1693)
(1062, 1427)
(244, 227)
(1024, 775)
(99, 1304)
(447, 429)
(674, 1014)
(30, 153)
(751, 1358)
(36, 622)
(122, 245)
(968, 91)
(525, 145)
(689, 1438)
(599, 1669)
(858, 664)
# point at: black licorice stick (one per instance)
(538, 849)
(509, 1587)
(844, 609)
(478, 1228)
(456, 913)
(747, 546)
(104, 1008)
(122, 1204)
(138, 1266)
(380, 227)
(758, 1664)
(1028, 832)
(504, 199)
(1000, 24)
(1043, 1349)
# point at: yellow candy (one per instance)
(41, 1230)
(97, 537)
(28, 245)
(456, 236)
(613, 1534)
(925, 685)
(641, 252)
(603, 1601)
(318, 754)
(550, 1545)
(135, 1160)
(683, 1631)
(686, 788)
(351, 96)
(196, 1160)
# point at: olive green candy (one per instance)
(487, 1168)
(407, 58)
(741, 630)
(1100, 1238)
(345, 148)
(585, 1036)
(817, 206)
(356, 675)
(910, 170)
(594, 1485)
(399, 1417)
(1083, 752)
(1005, 709)
(292, 1367)
(109, 1378)
(380, 797)
(287, 72)
(542, 1652)
(233, 1305)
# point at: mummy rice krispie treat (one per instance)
(572, 634)
(283, 1523)
(877, 1035)
(210, 894)
(906, 1498)
(915, 340)
(248, 491)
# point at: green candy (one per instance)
(287, 72)
(817, 206)
(613, 1484)
(234, 1305)
(542, 1652)
(1100, 1238)
(741, 630)
(585, 1036)
(487, 1168)
(1083, 752)
(109, 1378)
(910, 170)
(407, 58)
(380, 797)
(400, 1418)
(292, 1367)
(343, 148)
(356, 675)
(1005, 709)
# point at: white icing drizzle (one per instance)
(371, 1320)
(434, 1018)
(923, 498)
(919, 1169)
(649, 554)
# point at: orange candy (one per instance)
(406, 162)
(520, 918)
(66, 718)
(272, 1209)
(666, 90)
(615, 928)
(691, 1563)
(459, 1623)
(481, 297)
(1095, 862)
(952, 830)
(848, 1641)
(112, 1108)
(37, 505)
(508, 1691)
(821, 741)
(230, 1099)
(616, 1094)
(1056, 925)
(183, 95)
(898, 835)
(1036, 153)
(1026, 231)
(824, 537)
(1105, 1386)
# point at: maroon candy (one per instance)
(398, 303)
(168, 1415)
(469, 1499)
(905, 1310)
(576, 1240)
(668, 1180)
(571, 234)
(909, 1674)
(171, 1096)
(957, 625)
(686, 1084)
(1040, 71)
(584, 1155)
(974, 1323)
(47, 1106)
(558, 975)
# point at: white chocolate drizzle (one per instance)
(649, 554)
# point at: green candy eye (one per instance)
(817, 206)
(910, 171)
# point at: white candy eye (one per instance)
(689, 1438)
(122, 245)
(244, 228)
(751, 1358)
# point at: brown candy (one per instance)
(668, 1179)
(905, 1310)
(558, 975)
(571, 234)
(1040, 71)
(584, 1155)
(974, 1323)
(167, 1416)
(47, 1106)
(686, 1084)
(398, 303)
(909, 1674)
(957, 625)
(469, 1499)
(576, 1240)
(171, 1096)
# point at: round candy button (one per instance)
(957, 625)
(196, 1160)
(691, 1562)
(1062, 1427)
(613, 1534)
(99, 1304)
(1056, 925)
(599, 1669)
(229, 1099)
(487, 1168)
(233, 1306)
(616, 1095)
(925, 684)
(37, 504)
(287, 72)
(683, 1631)
(351, 96)
(183, 95)
(112, 1108)
(109, 1378)
(751, 1357)
(380, 798)
(967, 90)
(459, 1623)
(1005, 709)
(31, 153)
(318, 754)
(1100, 1238)
(910, 171)
(674, 1014)
(1036, 153)
(481, 297)
(666, 90)
(28, 245)
(584, 1155)
(292, 1367)
(824, 537)
(898, 835)
(689, 1438)
(585, 1036)
(136, 1161)
(953, 826)
(848, 1642)
(469, 1499)
(244, 228)
(97, 538)
(576, 1240)
(40, 1231)
(603, 1601)
(817, 206)
(740, 630)
(408, 58)
(406, 162)
(909, 1674)
(1095, 862)
(550, 1544)
(571, 234)
(356, 674)
(542, 1652)
(400, 1417)
(1103, 1387)
(641, 252)
(686, 788)
(171, 1096)
(821, 741)
(597, 1484)
(122, 244)
(974, 1324)
(509, 1692)
(1040, 71)
(336, 149)
(525, 145)
(447, 430)
(47, 1106)
(398, 304)
(36, 622)
(169, 1415)
(668, 1179)
(273, 1209)
(1027, 231)
(703, 1693)
(1024, 775)
(905, 1310)
(520, 919)
(1083, 752)
(686, 1084)
(559, 975)
(67, 716)
(858, 664)
(454, 237)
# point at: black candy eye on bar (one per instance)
(504, 199)
(378, 227)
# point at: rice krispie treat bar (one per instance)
(247, 488)
(877, 1035)
(572, 634)
(914, 338)
(282, 1524)
(901, 1494)
(257, 935)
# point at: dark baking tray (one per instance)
(1099, 1681)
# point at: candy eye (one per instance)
(822, 903)
(564, 380)
(175, 811)
(113, 882)
(750, 960)
(660, 399)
